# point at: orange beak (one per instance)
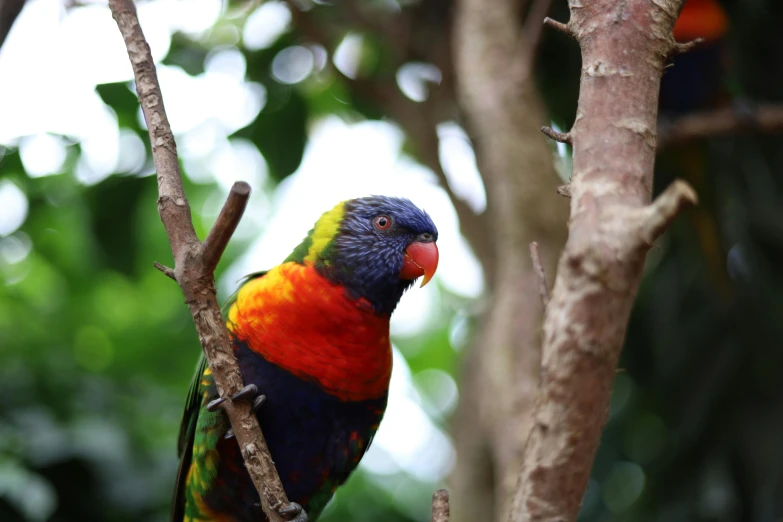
(421, 259)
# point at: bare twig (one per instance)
(611, 228)
(562, 137)
(543, 289)
(168, 272)
(657, 216)
(766, 118)
(195, 261)
(684, 47)
(559, 26)
(564, 190)
(440, 506)
(226, 223)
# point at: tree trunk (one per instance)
(625, 46)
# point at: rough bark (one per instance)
(440, 506)
(624, 48)
(493, 63)
(195, 261)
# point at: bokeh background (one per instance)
(97, 347)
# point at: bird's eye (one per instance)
(382, 222)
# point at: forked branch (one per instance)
(194, 262)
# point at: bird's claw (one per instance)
(251, 390)
(215, 405)
(293, 512)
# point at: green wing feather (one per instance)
(190, 416)
(192, 404)
(185, 441)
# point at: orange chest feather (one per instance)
(701, 19)
(303, 323)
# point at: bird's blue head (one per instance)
(375, 247)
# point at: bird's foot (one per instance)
(293, 512)
(251, 390)
(258, 402)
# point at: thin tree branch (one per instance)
(658, 215)
(559, 26)
(440, 506)
(562, 137)
(684, 47)
(611, 228)
(195, 262)
(543, 289)
(168, 272)
(226, 223)
(767, 118)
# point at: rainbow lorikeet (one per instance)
(312, 340)
(698, 81)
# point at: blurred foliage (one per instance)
(97, 348)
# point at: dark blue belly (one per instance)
(315, 439)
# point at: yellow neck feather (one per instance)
(324, 231)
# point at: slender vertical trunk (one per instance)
(496, 91)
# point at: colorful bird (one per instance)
(697, 81)
(312, 340)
